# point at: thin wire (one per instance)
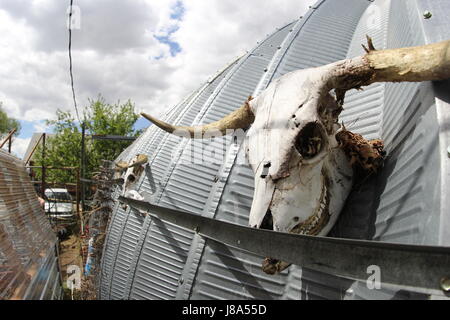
(70, 62)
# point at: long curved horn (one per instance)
(411, 64)
(240, 118)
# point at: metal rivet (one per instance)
(239, 242)
(427, 14)
(445, 284)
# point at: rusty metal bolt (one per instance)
(445, 284)
(427, 14)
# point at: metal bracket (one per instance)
(414, 267)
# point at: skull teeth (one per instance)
(312, 223)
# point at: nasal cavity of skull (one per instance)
(267, 222)
(131, 178)
(310, 141)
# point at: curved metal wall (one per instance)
(146, 258)
(29, 267)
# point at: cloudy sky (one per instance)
(154, 52)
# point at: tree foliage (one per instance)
(6, 123)
(63, 149)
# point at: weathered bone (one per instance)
(133, 172)
(302, 175)
(412, 64)
(369, 44)
(240, 118)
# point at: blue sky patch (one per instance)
(177, 11)
(28, 128)
(174, 46)
(141, 123)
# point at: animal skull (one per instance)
(302, 176)
(133, 170)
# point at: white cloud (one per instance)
(18, 146)
(115, 52)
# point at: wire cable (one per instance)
(70, 61)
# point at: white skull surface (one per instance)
(133, 170)
(302, 177)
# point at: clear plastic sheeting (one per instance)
(28, 258)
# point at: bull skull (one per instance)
(294, 146)
(133, 171)
(301, 175)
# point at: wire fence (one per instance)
(96, 222)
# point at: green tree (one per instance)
(63, 149)
(116, 119)
(6, 123)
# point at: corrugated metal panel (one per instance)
(237, 194)
(107, 257)
(258, 69)
(158, 173)
(363, 113)
(28, 261)
(188, 184)
(125, 233)
(393, 207)
(437, 30)
(169, 262)
(161, 262)
(325, 36)
(363, 109)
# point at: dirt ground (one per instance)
(70, 254)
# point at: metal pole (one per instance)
(8, 138)
(80, 213)
(77, 189)
(43, 167)
(34, 149)
(9, 144)
(83, 131)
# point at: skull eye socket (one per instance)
(310, 141)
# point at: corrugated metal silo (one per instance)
(146, 258)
